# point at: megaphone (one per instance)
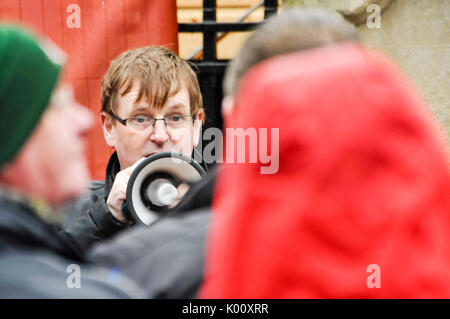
(157, 184)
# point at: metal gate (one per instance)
(210, 69)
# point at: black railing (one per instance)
(210, 69)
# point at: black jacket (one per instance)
(37, 261)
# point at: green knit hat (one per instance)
(28, 76)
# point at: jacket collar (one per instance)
(112, 169)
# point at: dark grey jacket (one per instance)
(37, 261)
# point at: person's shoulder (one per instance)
(96, 185)
(95, 192)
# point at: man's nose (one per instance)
(159, 133)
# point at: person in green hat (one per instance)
(42, 166)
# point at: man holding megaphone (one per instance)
(151, 103)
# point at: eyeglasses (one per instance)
(142, 122)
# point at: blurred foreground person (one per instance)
(42, 165)
(359, 207)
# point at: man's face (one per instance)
(132, 144)
(52, 164)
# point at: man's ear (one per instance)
(198, 127)
(107, 125)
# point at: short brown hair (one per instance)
(292, 30)
(158, 71)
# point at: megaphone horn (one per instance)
(157, 184)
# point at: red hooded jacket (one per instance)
(359, 206)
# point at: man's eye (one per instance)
(141, 119)
(175, 118)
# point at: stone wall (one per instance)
(415, 33)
